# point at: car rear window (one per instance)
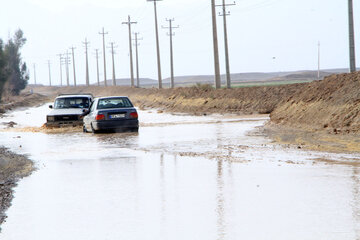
(114, 103)
(61, 103)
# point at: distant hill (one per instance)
(236, 78)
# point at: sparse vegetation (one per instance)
(13, 71)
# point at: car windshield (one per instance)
(114, 103)
(77, 102)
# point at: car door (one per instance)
(91, 115)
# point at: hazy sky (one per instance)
(258, 31)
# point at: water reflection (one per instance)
(220, 208)
(356, 201)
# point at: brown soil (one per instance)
(194, 100)
(331, 105)
(12, 168)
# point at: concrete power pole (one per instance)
(157, 43)
(73, 59)
(97, 66)
(61, 63)
(86, 45)
(103, 33)
(34, 65)
(171, 34)
(216, 47)
(318, 76)
(351, 37)
(130, 50)
(113, 64)
(49, 63)
(137, 39)
(67, 62)
(227, 62)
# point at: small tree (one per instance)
(4, 73)
(18, 74)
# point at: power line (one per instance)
(171, 34)
(227, 62)
(103, 33)
(130, 49)
(157, 43)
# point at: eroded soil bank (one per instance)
(12, 168)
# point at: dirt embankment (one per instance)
(323, 115)
(194, 100)
(332, 105)
(26, 99)
(12, 168)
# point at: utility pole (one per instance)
(351, 37)
(61, 62)
(157, 43)
(113, 64)
(86, 45)
(227, 62)
(49, 63)
(171, 34)
(97, 66)
(73, 59)
(130, 50)
(137, 39)
(103, 33)
(67, 62)
(216, 47)
(34, 65)
(318, 61)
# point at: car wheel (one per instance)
(135, 129)
(93, 130)
(84, 129)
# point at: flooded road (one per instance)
(181, 177)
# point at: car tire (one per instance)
(93, 130)
(135, 129)
(84, 129)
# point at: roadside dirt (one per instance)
(194, 100)
(12, 168)
(322, 115)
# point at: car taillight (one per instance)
(134, 115)
(100, 117)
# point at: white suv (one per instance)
(68, 109)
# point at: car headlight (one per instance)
(50, 118)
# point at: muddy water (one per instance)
(180, 178)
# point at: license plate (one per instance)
(114, 116)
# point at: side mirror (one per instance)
(50, 106)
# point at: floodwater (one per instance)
(181, 177)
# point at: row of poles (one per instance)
(66, 60)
